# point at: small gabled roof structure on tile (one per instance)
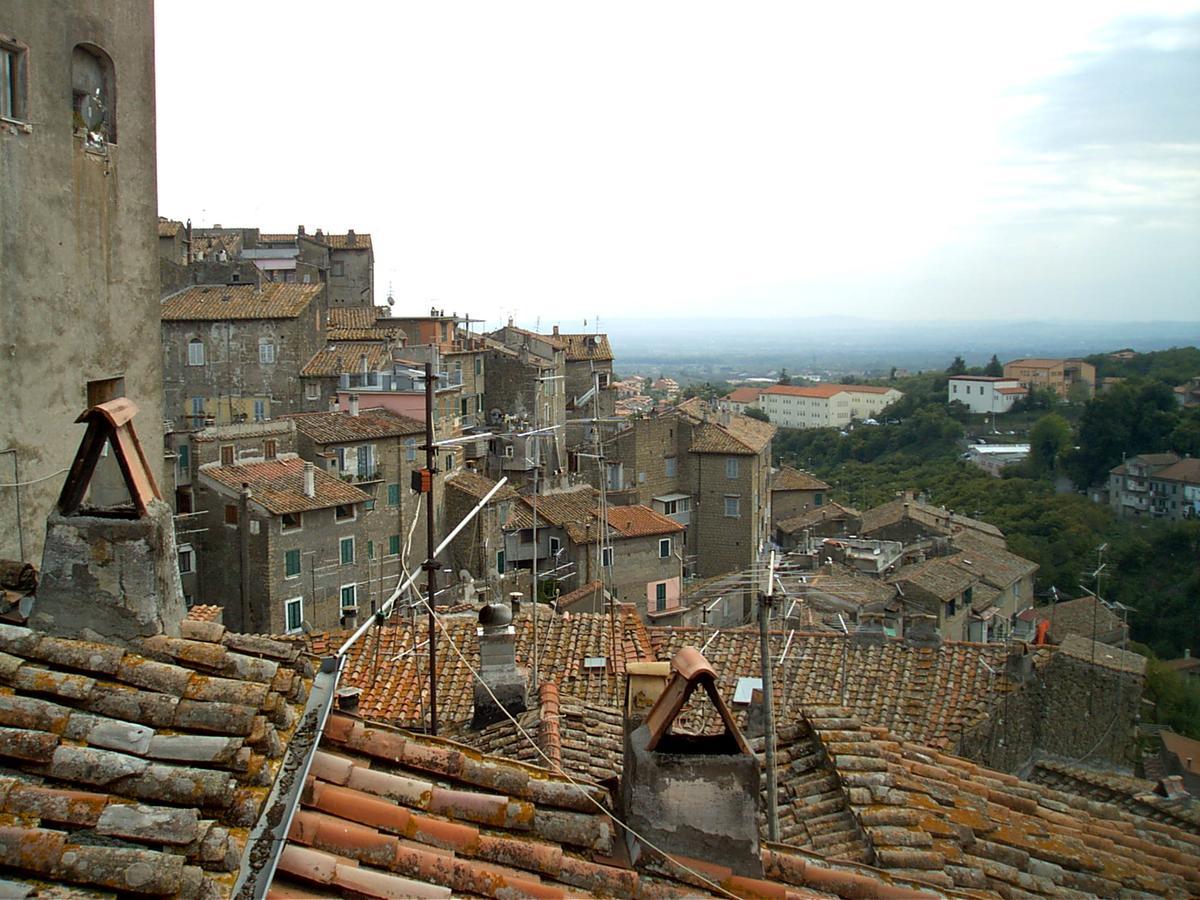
(726, 433)
(110, 423)
(220, 302)
(344, 427)
(938, 576)
(277, 485)
(828, 510)
(139, 772)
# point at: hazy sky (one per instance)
(560, 160)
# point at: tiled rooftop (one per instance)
(358, 316)
(1137, 795)
(939, 576)
(1084, 616)
(740, 435)
(218, 302)
(582, 347)
(395, 682)
(475, 485)
(337, 359)
(640, 521)
(342, 427)
(1078, 646)
(140, 772)
(278, 485)
(744, 394)
(823, 391)
(942, 520)
(926, 694)
(387, 813)
(789, 479)
(815, 516)
(168, 227)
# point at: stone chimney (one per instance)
(310, 480)
(644, 684)
(514, 599)
(555, 329)
(354, 404)
(110, 573)
(299, 229)
(870, 631)
(351, 238)
(921, 630)
(694, 795)
(498, 668)
(1018, 665)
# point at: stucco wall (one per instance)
(78, 253)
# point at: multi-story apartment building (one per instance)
(705, 469)
(78, 245)
(1131, 484)
(1071, 379)
(285, 545)
(234, 352)
(985, 394)
(590, 395)
(824, 405)
(1175, 490)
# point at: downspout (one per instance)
(244, 555)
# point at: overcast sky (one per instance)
(563, 160)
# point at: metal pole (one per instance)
(430, 565)
(533, 581)
(764, 616)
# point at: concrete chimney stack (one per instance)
(354, 404)
(351, 238)
(501, 679)
(310, 480)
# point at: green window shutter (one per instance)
(347, 545)
(291, 563)
(393, 497)
(394, 545)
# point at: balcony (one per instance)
(361, 478)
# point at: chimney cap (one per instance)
(495, 615)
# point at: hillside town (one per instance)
(307, 593)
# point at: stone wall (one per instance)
(1067, 707)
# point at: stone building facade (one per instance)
(234, 352)
(78, 242)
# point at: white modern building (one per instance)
(985, 393)
(824, 405)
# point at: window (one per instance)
(660, 596)
(260, 410)
(951, 607)
(526, 535)
(672, 466)
(346, 545)
(555, 546)
(270, 448)
(410, 450)
(227, 455)
(343, 512)
(291, 522)
(338, 269)
(731, 467)
(370, 549)
(184, 461)
(312, 390)
(664, 548)
(187, 559)
(231, 514)
(293, 614)
(818, 498)
(366, 461)
(393, 495)
(266, 351)
(500, 562)
(733, 506)
(291, 563)
(479, 365)
(195, 352)
(606, 557)
(93, 86)
(349, 594)
(198, 407)
(12, 80)
(393, 545)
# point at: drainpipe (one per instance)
(244, 554)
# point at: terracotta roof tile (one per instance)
(475, 485)
(218, 302)
(278, 485)
(640, 521)
(815, 516)
(586, 347)
(108, 782)
(941, 520)
(1080, 647)
(824, 391)
(744, 394)
(342, 427)
(347, 358)
(741, 435)
(168, 227)
(789, 479)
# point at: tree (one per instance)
(1049, 438)
(784, 377)
(753, 412)
(1131, 418)
(994, 368)
(958, 367)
